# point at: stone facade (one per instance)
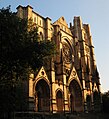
(70, 80)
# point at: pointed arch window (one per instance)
(41, 36)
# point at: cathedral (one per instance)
(69, 81)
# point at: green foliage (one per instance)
(21, 52)
(20, 48)
(105, 98)
(12, 35)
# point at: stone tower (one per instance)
(70, 80)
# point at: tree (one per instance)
(20, 53)
(105, 98)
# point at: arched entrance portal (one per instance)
(59, 101)
(42, 96)
(75, 96)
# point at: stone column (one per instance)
(31, 93)
(53, 107)
(65, 93)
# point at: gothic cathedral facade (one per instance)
(70, 80)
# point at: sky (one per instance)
(93, 12)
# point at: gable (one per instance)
(63, 25)
(61, 21)
(41, 74)
(74, 76)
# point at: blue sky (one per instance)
(93, 12)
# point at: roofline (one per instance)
(24, 7)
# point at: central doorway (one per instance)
(59, 101)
